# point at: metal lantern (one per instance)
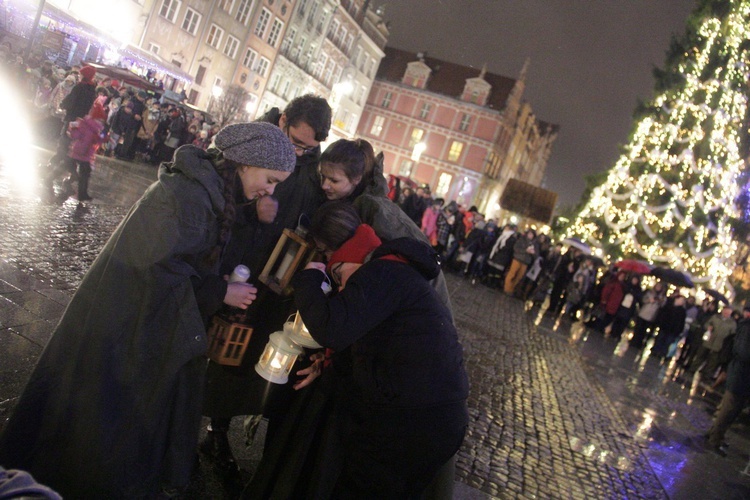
(299, 334)
(286, 258)
(277, 359)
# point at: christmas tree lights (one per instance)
(670, 197)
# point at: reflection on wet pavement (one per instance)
(667, 411)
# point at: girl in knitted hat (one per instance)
(402, 400)
(113, 407)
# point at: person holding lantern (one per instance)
(400, 403)
(113, 407)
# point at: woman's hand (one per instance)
(311, 372)
(240, 295)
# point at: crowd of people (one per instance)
(113, 407)
(89, 115)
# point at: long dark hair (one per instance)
(355, 158)
(334, 223)
(227, 169)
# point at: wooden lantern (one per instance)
(286, 258)
(227, 341)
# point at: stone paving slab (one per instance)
(539, 426)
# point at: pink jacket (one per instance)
(87, 136)
(429, 222)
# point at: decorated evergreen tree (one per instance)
(672, 197)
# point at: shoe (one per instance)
(216, 447)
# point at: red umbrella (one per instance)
(634, 266)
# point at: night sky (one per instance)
(590, 62)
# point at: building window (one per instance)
(262, 24)
(322, 61)
(444, 184)
(425, 111)
(387, 100)
(263, 66)
(226, 5)
(275, 82)
(360, 94)
(416, 137)
(313, 11)
(465, 121)
(273, 36)
(153, 48)
(333, 28)
(340, 36)
(406, 167)
(214, 36)
(368, 67)
(329, 72)
(249, 60)
(169, 9)
(285, 90)
(191, 21)
(200, 75)
(288, 40)
(243, 11)
(348, 44)
(302, 7)
(455, 152)
(377, 125)
(230, 49)
(322, 21)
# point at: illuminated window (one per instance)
(262, 24)
(152, 47)
(169, 9)
(214, 36)
(406, 167)
(416, 136)
(230, 49)
(455, 152)
(444, 184)
(377, 126)
(273, 36)
(243, 11)
(387, 99)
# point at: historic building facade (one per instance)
(331, 48)
(464, 132)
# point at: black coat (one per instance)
(78, 103)
(400, 408)
(112, 409)
(232, 391)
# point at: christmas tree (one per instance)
(671, 198)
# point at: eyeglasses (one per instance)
(336, 273)
(298, 147)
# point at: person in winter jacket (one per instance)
(612, 295)
(86, 136)
(737, 390)
(524, 251)
(429, 221)
(671, 321)
(651, 302)
(406, 385)
(112, 408)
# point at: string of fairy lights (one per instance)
(670, 196)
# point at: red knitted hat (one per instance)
(88, 73)
(357, 248)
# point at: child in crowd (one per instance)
(86, 137)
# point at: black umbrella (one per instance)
(716, 295)
(673, 276)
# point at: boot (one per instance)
(216, 447)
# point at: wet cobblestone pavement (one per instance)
(556, 411)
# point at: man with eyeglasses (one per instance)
(234, 391)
